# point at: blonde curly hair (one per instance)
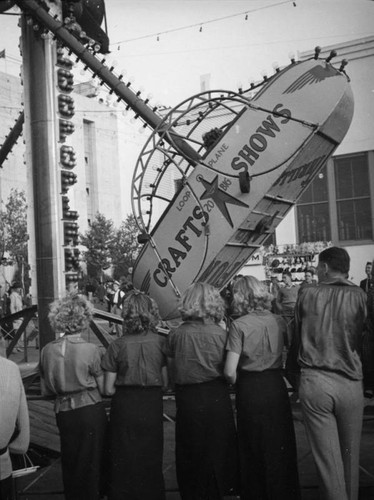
(202, 300)
(250, 294)
(71, 314)
(139, 312)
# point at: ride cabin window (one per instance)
(313, 219)
(353, 197)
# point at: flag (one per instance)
(2, 54)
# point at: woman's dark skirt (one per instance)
(266, 436)
(83, 436)
(205, 441)
(136, 444)
(7, 489)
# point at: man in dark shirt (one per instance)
(287, 295)
(308, 279)
(326, 347)
(285, 303)
(366, 283)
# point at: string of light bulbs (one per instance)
(200, 25)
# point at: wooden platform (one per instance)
(43, 430)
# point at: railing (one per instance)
(9, 333)
(14, 336)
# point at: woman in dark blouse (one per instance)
(205, 430)
(133, 367)
(266, 436)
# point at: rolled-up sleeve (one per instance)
(96, 368)
(109, 361)
(235, 340)
(169, 346)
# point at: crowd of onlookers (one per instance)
(251, 342)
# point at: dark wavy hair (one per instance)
(140, 313)
(336, 258)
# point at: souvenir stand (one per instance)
(293, 258)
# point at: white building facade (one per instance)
(105, 144)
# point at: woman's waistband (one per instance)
(206, 383)
(68, 395)
(263, 373)
(138, 387)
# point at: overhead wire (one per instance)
(200, 24)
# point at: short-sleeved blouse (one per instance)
(258, 338)
(137, 359)
(199, 351)
(69, 366)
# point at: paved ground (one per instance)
(47, 484)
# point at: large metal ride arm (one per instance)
(12, 138)
(205, 205)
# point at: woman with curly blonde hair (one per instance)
(266, 436)
(205, 440)
(258, 299)
(133, 367)
(71, 371)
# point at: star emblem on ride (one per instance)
(220, 197)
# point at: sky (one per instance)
(167, 46)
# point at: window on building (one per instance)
(312, 211)
(353, 197)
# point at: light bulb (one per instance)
(292, 56)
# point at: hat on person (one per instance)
(115, 282)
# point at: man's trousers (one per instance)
(332, 407)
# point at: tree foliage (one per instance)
(98, 242)
(125, 247)
(109, 247)
(13, 227)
